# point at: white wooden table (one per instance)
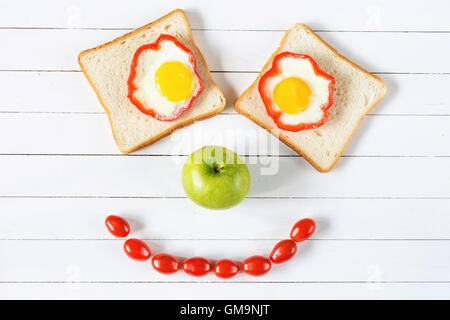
(383, 213)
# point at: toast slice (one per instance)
(107, 68)
(356, 92)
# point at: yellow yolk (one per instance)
(292, 95)
(174, 81)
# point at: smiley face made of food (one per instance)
(296, 93)
(163, 81)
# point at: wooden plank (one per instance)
(90, 134)
(47, 92)
(233, 14)
(94, 260)
(58, 49)
(50, 218)
(70, 92)
(271, 177)
(225, 291)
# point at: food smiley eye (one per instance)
(296, 93)
(163, 80)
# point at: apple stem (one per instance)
(218, 169)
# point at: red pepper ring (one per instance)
(132, 87)
(276, 114)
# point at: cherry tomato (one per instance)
(196, 266)
(226, 269)
(117, 226)
(283, 251)
(303, 229)
(256, 266)
(165, 263)
(137, 249)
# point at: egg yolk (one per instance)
(292, 95)
(175, 81)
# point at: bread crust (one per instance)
(179, 125)
(284, 140)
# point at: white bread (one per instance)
(356, 92)
(107, 68)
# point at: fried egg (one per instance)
(296, 93)
(163, 79)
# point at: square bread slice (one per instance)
(356, 92)
(107, 68)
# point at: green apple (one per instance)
(215, 177)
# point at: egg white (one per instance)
(301, 68)
(148, 63)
